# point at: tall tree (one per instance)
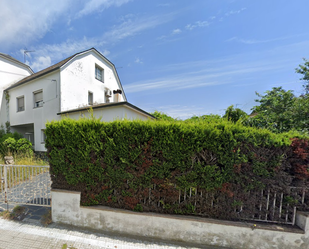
(281, 111)
(304, 70)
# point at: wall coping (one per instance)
(66, 191)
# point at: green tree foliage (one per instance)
(280, 111)
(162, 116)
(205, 118)
(234, 114)
(304, 70)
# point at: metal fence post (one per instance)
(6, 187)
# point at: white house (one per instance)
(70, 87)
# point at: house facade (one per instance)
(68, 88)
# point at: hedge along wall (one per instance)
(171, 167)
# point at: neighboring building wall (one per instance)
(37, 116)
(78, 78)
(111, 113)
(10, 73)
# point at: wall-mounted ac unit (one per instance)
(108, 93)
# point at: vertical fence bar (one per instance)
(261, 201)
(294, 216)
(280, 208)
(6, 186)
(303, 196)
(274, 204)
(287, 213)
(33, 189)
(267, 204)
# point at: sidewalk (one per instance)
(30, 233)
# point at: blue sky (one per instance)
(179, 57)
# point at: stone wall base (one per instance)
(66, 209)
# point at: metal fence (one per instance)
(269, 205)
(25, 184)
(275, 207)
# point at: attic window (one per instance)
(38, 99)
(99, 73)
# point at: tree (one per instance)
(304, 70)
(281, 111)
(162, 116)
(234, 114)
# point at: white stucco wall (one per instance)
(78, 77)
(39, 115)
(111, 113)
(10, 73)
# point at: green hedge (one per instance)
(118, 163)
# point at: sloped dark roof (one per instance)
(106, 105)
(8, 57)
(41, 73)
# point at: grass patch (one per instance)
(17, 175)
(16, 213)
(23, 159)
(46, 219)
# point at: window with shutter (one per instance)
(20, 104)
(38, 99)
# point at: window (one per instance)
(99, 73)
(90, 98)
(20, 104)
(43, 136)
(38, 99)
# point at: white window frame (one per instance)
(22, 108)
(37, 102)
(99, 73)
(43, 136)
(90, 95)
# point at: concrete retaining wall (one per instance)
(66, 209)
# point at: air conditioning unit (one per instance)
(108, 93)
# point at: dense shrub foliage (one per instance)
(155, 165)
(12, 143)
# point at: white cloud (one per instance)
(133, 27)
(164, 5)
(254, 41)
(117, 33)
(200, 74)
(41, 62)
(58, 52)
(235, 12)
(176, 31)
(99, 5)
(138, 61)
(25, 21)
(198, 24)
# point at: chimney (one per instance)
(117, 95)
